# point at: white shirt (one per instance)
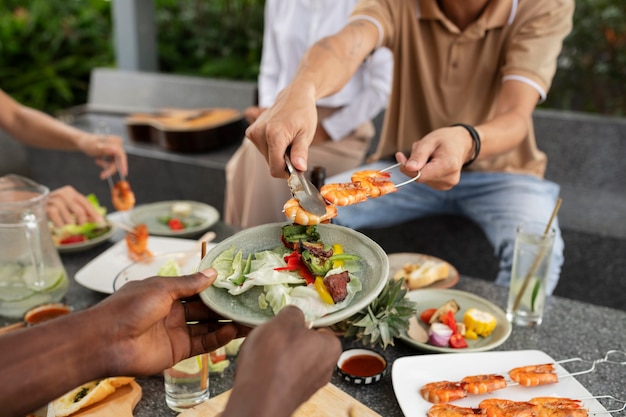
(291, 27)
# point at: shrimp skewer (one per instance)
(295, 213)
(535, 407)
(377, 182)
(527, 376)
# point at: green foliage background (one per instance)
(48, 48)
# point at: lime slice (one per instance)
(15, 293)
(54, 278)
(189, 366)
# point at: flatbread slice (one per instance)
(88, 394)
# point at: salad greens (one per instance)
(74, 233)
(281, 283)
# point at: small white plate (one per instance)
(99, 274)
(410, 373)
(434, 298)
(149, 214)
(88, 244)
(398, 260)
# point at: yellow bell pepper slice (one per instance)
(321, 289)
(337, 250)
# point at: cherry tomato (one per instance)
(175, 224)
(218, 355)
(73, 239)
(457, 341)
(427, 314)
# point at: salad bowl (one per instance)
(244, 308)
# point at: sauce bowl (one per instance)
(361, 366)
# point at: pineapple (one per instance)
(383, 319)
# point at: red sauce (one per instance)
(46, 312)
(363, 365)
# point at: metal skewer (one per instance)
(610, 397)
(419, 174)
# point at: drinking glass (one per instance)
(187, 383)
(531, 264)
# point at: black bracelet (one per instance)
(475, 137)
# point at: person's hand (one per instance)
(252, 113)
(292, 120)
(108, 151)
(145, 324)
(439, 156)
(280, 365)
(65, 205)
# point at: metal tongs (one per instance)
(303, 190)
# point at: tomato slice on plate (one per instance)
(73, 239)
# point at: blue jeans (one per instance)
(497, 202)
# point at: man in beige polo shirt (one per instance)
(467, 77)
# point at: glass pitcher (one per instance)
(31, 271)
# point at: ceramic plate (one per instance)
(99, 274)
(434, 298)
(398, 260)
(88, 244)
(187, 264)
(410, 373)
(245, 309)
(203, 214)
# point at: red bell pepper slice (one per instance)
(294, 263)
(448, 320)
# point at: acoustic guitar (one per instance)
(187, 130)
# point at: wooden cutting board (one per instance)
(329, 401)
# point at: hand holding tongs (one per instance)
(303, 190)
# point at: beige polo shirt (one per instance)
(444, 76)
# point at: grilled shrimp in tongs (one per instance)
(122, 195)
(365, 184)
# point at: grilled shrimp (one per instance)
(137, 243)
(297, 214)
(533, 375)
(375, 183)
(344, 194)
(448, 410)
(559, 407)
(483, 384)
(122, 196)
(443, 392)
(496, 407)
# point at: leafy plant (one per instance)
(591, 74)
(48, 47)
(383, 319)
(217, 38)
